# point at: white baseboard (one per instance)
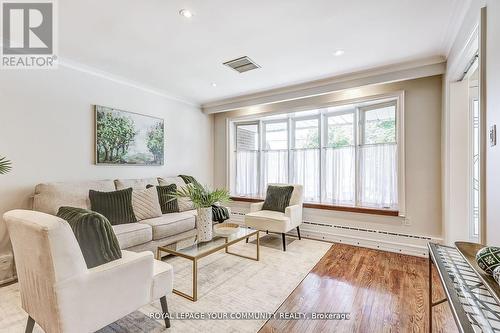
(414, 245)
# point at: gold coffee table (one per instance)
(193, 250)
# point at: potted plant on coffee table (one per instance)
(203, 198)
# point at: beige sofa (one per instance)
(140, 236)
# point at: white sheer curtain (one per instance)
(275, 167)
(247, 173)
(306, 172)
(378, 175)
(340, 175)
(342, 156)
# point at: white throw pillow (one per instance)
(184, 203)
(145, 203)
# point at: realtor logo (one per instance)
(28, 34)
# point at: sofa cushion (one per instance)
(132, 234)
(49, 197)
(122, 184)
(171, 224)
(94, 234)
(268, 220)
(115, 205)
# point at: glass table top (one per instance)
(191, 248)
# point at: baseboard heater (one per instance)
(415, 245)
(368, 230)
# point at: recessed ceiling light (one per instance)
(338, 53)
(214, 84)
(186, 13)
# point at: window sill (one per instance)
(361, 210)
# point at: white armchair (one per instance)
(278, 222)
(61, 294)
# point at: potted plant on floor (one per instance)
(5, 165)
(203, 198)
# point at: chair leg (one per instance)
(284, 241)
(29, 325)
(298, 232)
(164, 309)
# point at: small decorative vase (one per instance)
(488, 258)
(204, 224)
(496, 274)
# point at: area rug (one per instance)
(226, 284)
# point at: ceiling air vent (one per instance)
(243, 64)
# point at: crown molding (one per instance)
(457, 16)
(77, 66)
(385, 74)
(70, 64)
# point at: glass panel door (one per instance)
(475, 159)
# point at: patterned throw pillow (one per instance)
(94, 234)
(488, 258)
(167, 202)
(116, 205)
(277, 198)
(145, 203)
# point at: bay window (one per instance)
(345, 155)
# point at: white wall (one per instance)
(423, 149)
(46, 129)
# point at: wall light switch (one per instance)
(493, 135)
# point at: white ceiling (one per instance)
(148, 42)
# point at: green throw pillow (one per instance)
(94, 234)
(116, 205)
(277, 198)
(168, 203)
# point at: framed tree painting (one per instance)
(127, 138)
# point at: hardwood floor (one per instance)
(382, 291)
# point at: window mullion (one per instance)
(260, 159)
(322, 151)
(321, 157)
(235, 177)
(358, 129)
(291, 138)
